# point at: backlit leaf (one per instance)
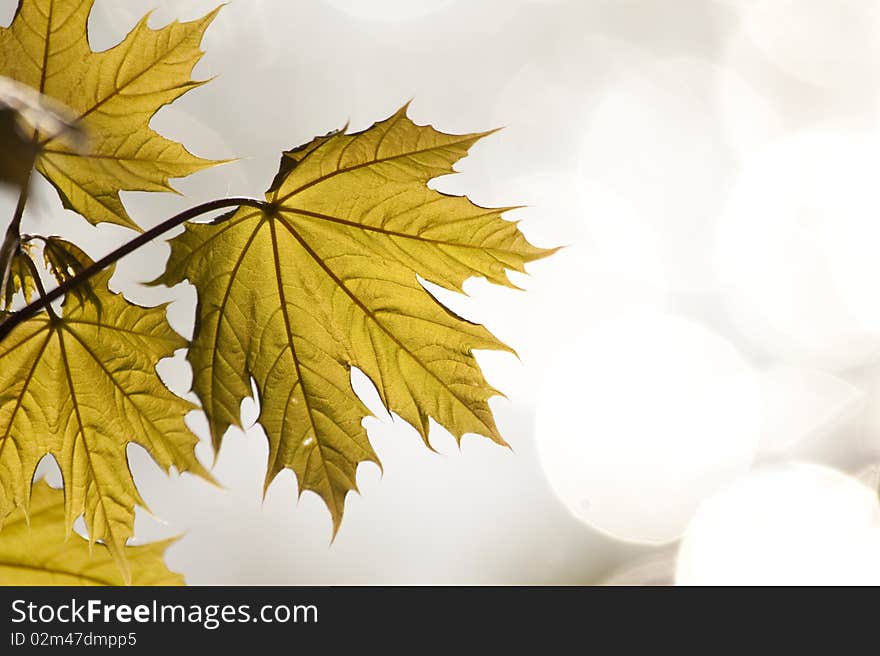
(65, 261)
(21, 280)
(328, 280)
(112, 94)
(81, 388)
(34, 551)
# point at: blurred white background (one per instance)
(703, 360)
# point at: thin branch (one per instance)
(22, 201)
(44, 302)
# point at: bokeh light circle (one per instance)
(791, 524)
(643, 417)
(792, 250)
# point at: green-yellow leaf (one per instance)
(65, 260)
(21, 281)
(328, 280)
(113, 94)
(81, 388)
(35, 551)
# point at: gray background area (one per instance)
(656, 105)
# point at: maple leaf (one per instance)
(112, 94)
(33, 551)
(327, 280)
(20, 281)
(65, 261)
(82, 386)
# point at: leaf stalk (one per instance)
(45, 300)
(38, 281)
(12, 240)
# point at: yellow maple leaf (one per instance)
(326, 279)
(34, 551)
(81, 386)
(112, 94)
(20, 281)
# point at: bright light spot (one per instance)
(850, 200)
(656, 140)
(792, 524)
(563, 309)
(643, 417)
(390, 10)
(793, 249)
(830, 44)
